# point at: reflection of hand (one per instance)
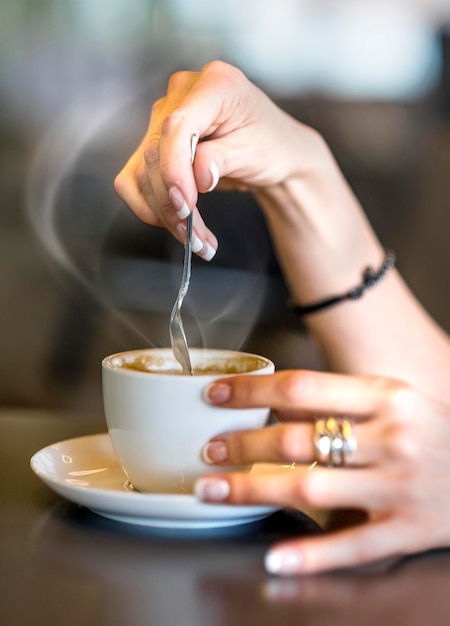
(245, 141)
(401, 467)
(406, 593)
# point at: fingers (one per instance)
(196, 103)
(233, 122)
(284, 444)
(204, 242)
(302, 396)
(299, 487)
(126, 187)
(306, 392)
(400, 463)
(353, 547)
(158, 182)
(380, 537)
(382, 415)
(144, 193)
(212, 104)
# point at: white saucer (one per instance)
(85, 470)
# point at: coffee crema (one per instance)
(232, 365)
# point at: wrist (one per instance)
(320, 232)
(370, 278)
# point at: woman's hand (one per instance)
(239, 139)
(400, 474)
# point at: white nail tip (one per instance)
(205, 456)
(183, 212)
(214, 170)
(197, 244)
(208, 252)
(283, 562)
(273, 562)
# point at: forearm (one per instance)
(324, 243)
(322, 236)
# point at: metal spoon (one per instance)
(177, 334)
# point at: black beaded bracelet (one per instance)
(370, 279)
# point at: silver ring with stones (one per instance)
(334, 441)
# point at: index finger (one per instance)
(301, 393)
(208, 109)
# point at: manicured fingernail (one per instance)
(202, 248)
(179, 203)
(197, 243)
(214, 170)
(212, 489)
(283, 562)
(217, 393)
(194, 142)
(215, 452)
(208, 252)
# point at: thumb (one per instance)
(222, 162)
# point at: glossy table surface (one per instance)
(61, 564)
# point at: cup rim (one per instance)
(107, 362)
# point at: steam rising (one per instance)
(54, 161)
(222, 304)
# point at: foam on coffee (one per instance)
(163, 365)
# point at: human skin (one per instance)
(399, 476)
(321, 235)
(392, 359)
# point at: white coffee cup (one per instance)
(158, 420)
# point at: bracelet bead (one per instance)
(370, 279)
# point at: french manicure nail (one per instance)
(217, 393)
(215, 452)
(197, 243)
(214, 170)
(208, 252)
(211, 489)
(283, 562)
(179, 203)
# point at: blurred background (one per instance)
(81, 278)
